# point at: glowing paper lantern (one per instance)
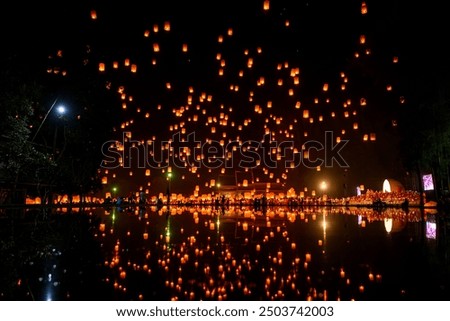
(167, 26)
(308, 257)
(363, 8)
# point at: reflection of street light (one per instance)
(61, 110)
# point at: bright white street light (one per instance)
(61, 110)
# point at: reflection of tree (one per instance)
(36, 246)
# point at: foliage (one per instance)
(19, 157)
(425, 144)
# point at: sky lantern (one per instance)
(93, 15)
(363, 8)
(156, 47)
(325, 87)
(395, 59)
(185, 47)
(308, 257)
(365, 137)
(133, 68)
(101, 66)
(373, 137)
(362, 39)
(266, 5)
(147, 33)
(167, 26)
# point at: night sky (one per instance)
(236, 64)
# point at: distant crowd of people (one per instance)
(368, 198)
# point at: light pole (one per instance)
(169, 180)
(114, 190)
(61, 110)
(323, 188)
